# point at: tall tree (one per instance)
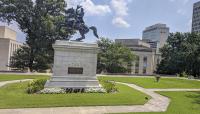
(193, 54)
(113, 57)
(43, 21)
(181, 54)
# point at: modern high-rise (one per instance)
(196, 17)
(156, 35)
(8, 45)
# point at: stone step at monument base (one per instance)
(73, 84)
(59, 78)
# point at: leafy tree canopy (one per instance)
(181, 54)
(114, 57)
(43, 21)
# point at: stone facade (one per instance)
(147, 50)
(8, 45)
(146, 60)
(74, 65)
(6, 32)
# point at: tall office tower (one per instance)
(196, 17)
(8, 45)
(156, 35)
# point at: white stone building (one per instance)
(8, 45)
(147, 50)
(146, 57)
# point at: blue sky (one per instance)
(128, 18)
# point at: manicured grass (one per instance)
(14, 96)
(8, 77)
(181, 103)
(147, 82)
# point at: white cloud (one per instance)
(181, 11)
(120, 8)
(184, 2)
(171, 0)
(93, 9)
(89, 7)
(189, 24)
(120, 22)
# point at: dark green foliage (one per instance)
(109, 86)
(40, 22)
(113, 57)
(36, 85)
(157, 78)
(183, 74)
(20, 59)
(181, 54)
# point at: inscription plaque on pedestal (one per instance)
(75, 70)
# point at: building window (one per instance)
(137, 64)
(144, 65)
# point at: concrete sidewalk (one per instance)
(174, 89)
(13, 81)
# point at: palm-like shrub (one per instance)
(36, 85)
(109, 86)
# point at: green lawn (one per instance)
(181, 103)
(149, 82)
(14, 96)
(7, 77)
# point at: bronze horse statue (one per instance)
(74, 21)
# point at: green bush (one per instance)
(183, 74)
(157, 78)
(36, 85)
(109, 86)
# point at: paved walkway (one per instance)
(174, 89)
(28, 73)
(13, 81)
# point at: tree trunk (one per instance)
(31, 60)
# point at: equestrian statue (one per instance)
(74, 22)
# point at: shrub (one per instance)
(157, 78)
(109, 86)
(183, 74)
(36, 85)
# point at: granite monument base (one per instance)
(74, 65)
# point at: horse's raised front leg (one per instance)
(82, 36)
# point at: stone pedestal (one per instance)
(74, 65)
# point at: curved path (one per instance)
(157, 103)
(13, 81)
(174, 89)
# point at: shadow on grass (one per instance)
(195, 97)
